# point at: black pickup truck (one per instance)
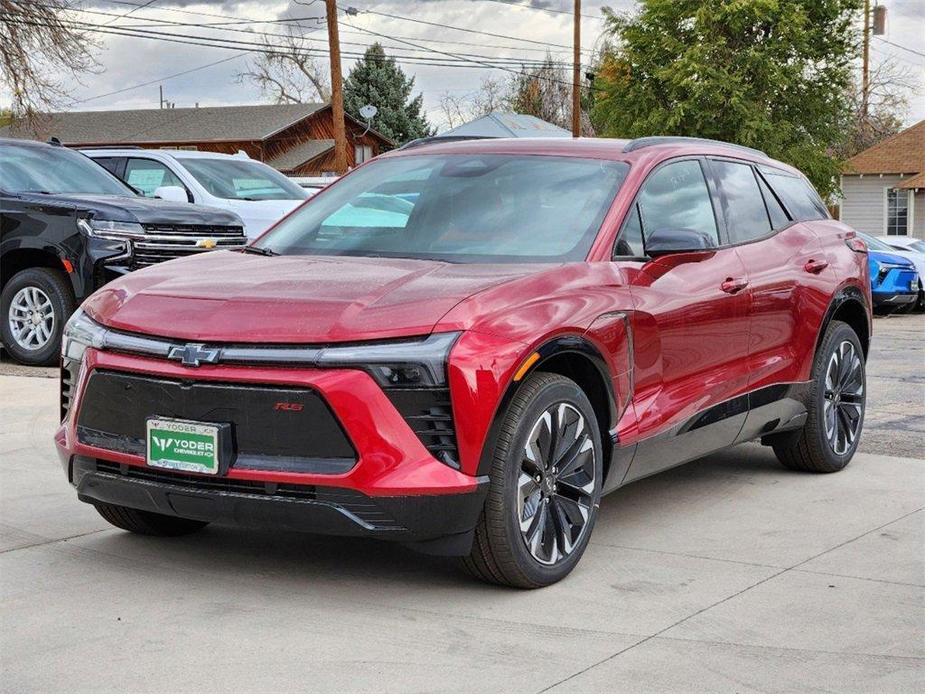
(68, 226)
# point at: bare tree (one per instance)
(889, 89)
(493, 95)
(41, 53)
(288, 75)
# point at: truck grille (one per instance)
(168, 241)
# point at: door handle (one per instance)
(733, 285)
(815, 266)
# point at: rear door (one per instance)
(690, 324)
(790, 283)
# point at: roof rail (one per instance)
(437, 139)
(104, 146)
(653, 140)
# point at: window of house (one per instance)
(897, 212)
(362, 153)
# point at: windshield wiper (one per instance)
(258, 250)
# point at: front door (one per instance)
(690, 325)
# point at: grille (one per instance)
(117, 405)
(69, 372)
(168, 241)
(355, 502)
(430, 415)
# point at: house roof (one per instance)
(219, 123)
(904, 152)
(915, 182)
(499, 124)
(294, 157)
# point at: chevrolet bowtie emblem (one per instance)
(194, 354)
(206, 243)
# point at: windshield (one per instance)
(875, 244)
(242, 179)
(56, 170)
(458, 208)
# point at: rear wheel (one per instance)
(35, 305)
(545, 487)
(837, 399)
(146, 522)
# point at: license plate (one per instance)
(177, 444)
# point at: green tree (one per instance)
(378, 80)
(771, 74)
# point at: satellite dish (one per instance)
(369, 111)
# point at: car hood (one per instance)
(260, 215)
(126, 208)
(914, 257)
(229, 296)
(891, 257)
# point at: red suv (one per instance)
(462, 346)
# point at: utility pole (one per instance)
(576, 73)
(865, 69)
(337, 91)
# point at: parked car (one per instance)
(67, 227)
(257, 193)
(546, 322)
(313, 183)
(912, 249)
(895, 282)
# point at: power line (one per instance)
(896, 45)
(551, 10)
(159, 79)
(134, 9)
(456, 28)
(162, 22)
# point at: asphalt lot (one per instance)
(728, 574)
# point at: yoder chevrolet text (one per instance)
(463, 346)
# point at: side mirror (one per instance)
(665, 241)
(173, 193)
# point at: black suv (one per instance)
(68, 226)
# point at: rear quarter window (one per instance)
(797, 194)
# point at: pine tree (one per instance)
(378, 80)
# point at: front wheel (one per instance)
(545, 487)
(36, 303)
(837, 399)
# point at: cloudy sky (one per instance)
(529, 28)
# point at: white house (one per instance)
(884, 186)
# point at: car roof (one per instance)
(174, 153)
(593, 147)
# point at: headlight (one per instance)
(105, 229)
(401, 364)
(79, 333)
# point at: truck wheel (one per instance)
(148, 523)
(36, 304)
(545, 487)
(837, 398)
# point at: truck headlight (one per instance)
(81, 332)
(106, 229)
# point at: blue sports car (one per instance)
(894, 281)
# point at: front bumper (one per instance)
(395, 490)
(894, 298)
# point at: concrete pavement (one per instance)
(728, 574)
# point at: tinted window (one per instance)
(111, 164)
(798, 196)
(743, 205)
(148, 175)
(778, 215)
(629, 243)
(45, 169)
(459, 208)
(676, 197)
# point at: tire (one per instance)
(570, 502)
(148, 523)
(40, 287)
(811, 449)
